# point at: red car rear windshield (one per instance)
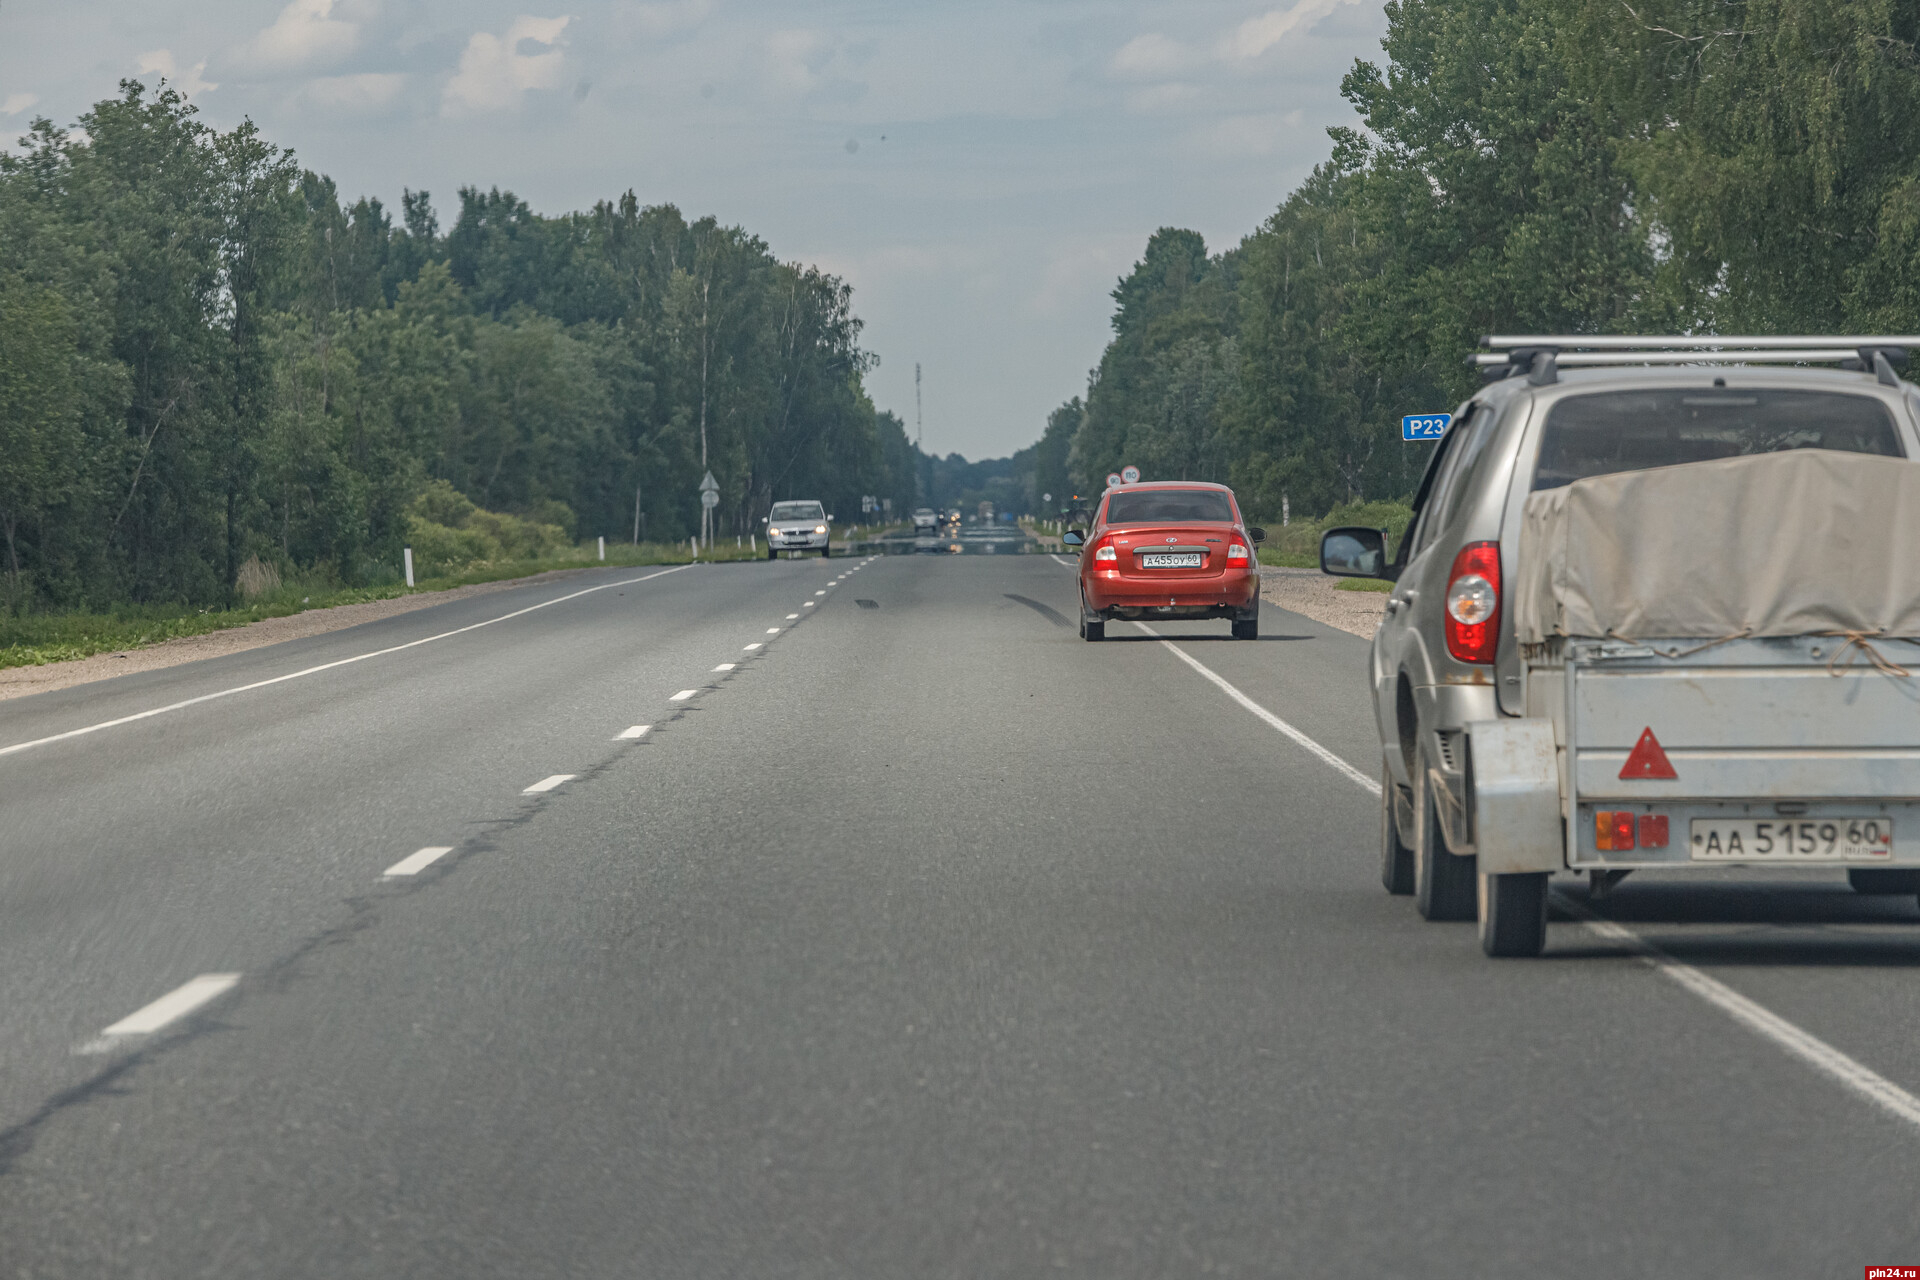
(1157, 506)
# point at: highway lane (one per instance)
(934, 941)
(222, 835)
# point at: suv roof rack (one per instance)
(1541, 357)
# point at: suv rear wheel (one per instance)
(1513, 913)
(1883, 880)
(1396, 859)
(1443, 881)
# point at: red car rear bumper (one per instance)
(1111, 593)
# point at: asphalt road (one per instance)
(927, 941)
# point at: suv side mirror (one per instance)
(1354, 553)
(1072, 538)
(1257, 533)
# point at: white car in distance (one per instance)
(798, 526)
(926, 521)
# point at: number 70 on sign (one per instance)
(1424, 426)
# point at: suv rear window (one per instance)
(1156, 505)
(1611, 431)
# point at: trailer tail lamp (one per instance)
(1653, 831)
(1613, 830)
(1473, 603)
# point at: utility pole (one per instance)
(919, 425)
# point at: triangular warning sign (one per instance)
(1647, 760)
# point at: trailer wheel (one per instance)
(1883, 881)
(1396, 859)
(1443, 881)
(1513, 913)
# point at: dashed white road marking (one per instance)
(549, 783)
(819, 593)
(419, 860)
(173, 1006)
(683, 695)
(629, 735)
(1314, 748)
(791, 617)
(1808, 1048)
(757, 644)
(726, 666)
(326, 666)
(774, 631)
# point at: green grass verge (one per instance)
(35, 639)
(1380, 585)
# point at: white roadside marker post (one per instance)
(603, 547)
(406, 556)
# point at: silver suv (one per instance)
(1445, 654)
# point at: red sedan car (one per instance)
(1168, 549)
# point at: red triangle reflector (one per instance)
(1647, 760)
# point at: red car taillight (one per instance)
(1238, 551)
(1473, 603)
(1103, 550)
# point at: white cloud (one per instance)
(1257, 35)
(306, 32)
(17, 102)
(1235, 137)
(1153, 55)
(796, 59)
(667, 19)
(160, 62)
(355, 94)
(1158, 98)
(494, 73)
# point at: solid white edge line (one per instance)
(1810, 1049)
(174, 1005)
(1803, 1045)
(1324, 755)
(683, 695)
(549, 783)
(326, 666)
(419, 860)
(1063, 560)
(629, 735)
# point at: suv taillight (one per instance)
(1473, 603)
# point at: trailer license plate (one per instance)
(1800, 840)
(1171, 560)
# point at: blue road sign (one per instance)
(1424, 426)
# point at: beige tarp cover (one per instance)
(1779, 544)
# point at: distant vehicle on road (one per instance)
(1637, 622)
(1168, 549)
(925, 520)
(799, 526)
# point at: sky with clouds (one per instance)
(980, 171)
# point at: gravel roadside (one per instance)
(1310, 592)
